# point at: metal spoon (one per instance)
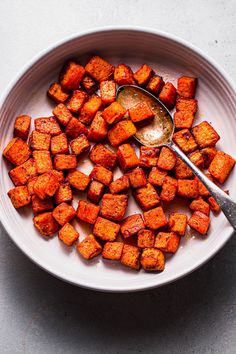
(159, 132)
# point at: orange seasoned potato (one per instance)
(132, 225)
(152, 259)
(87, 212)
(105, 229)
(89, 247)
(112, 250)
(68, 234)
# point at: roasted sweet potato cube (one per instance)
(214, 206)
(113, 113)
(148, 156)
(65, 162)
(155, 85)
(168, 95)
(108, 91)
(167, 242)
(183, 119)
(95, 191)
(46, 185)
(57, 93)
(68, 234)
(80, 145)
(89, 85)
(199, 222)
(123, 75)
(101, 174)
(155, 218)
(167, 159)
(127, 157)
(119, 185)
(205, 135)
(221, 166)
(22, 127)
(39, 205)
(137, 178)
(98, 129)
(43, 161)
(197, 158)
(30, 185)
(114, 206)
(208, 155)
(48, 125)
(46, 224)
(178, 223)
(143, 75)
(130, 257)
(156, 176)
(203, 191)
(19, 196)
(78, 180)
(140, 112)
(200, 205)
(77, 101)
(181, 170)
(87, 212)
(40, 141)
(17, 151)
(59, 175)
(169, 189)
(63, 213)
(146, 238)
(62, 113)
(59, 144)
(146, 197)
(112, 250)
(187, 105)
(89, 109)
(71, 76)
(185, 141)
(75, 128)
(105, 229)
(121, 131)
(188, 188)
(89, 247)
(99, 69)
(63, 194)
(103, 156)
(152, 259)
(22, 173)
(186, 86)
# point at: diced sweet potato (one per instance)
(188, 188)
(62, 113)
(143, 75)
(197, 158)
(95, 191)
(208, 155)
(39, 205)
(89, 85)
(167, 159)
(140, 112)
(186, 86)
(146, 197)
(185, 141)
(113, 113)
(59, 144)
(178, 223)
(127, 157)
(99, 69)
(80, 145)
(40, 141)
(89, 109)
(183, 119)
(167, 242)
(155, 218)
(89, 247)
(77, 101)
(169, 189)
(119, 185)
(148, 156)
(130, 257)
(43, 161)
(64, 213)
(123, 75)
(137, 178)
(155, 85)
(168, 95)
(103, 156)
(214, 206)
(205, 135)
(59, 175)
(71, 76)
(22, 127)
(75, 128)
(186, 104)
(200, 205)
(221, 166)
(19, 196)
(47, 125)
(57, 93)
(156, 176)
(46, 224)
(108, 91)
(121, 131)
(98, 129)
(87, 212)
(68, 234)
(146, 238)
(78, 180)
(114, 206)
(203, 191)
(105, 229)
(65, 162)
(63, 194)
(30, 185)
(181, 170)
(152, 260)
(17, 151)
(22, 173)
(199, 222)
(112, 250)
(46, 185)
(101, 174)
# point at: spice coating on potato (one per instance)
(121, 131)
(57, 93)
(46, 224)
(119, 185)
(68, 234)
(87, 212)
(178, 223)
(103, 156)
(99, 69)
(19, 196)
(221, 166)
(155, 218)
(167, 242)
(78, 180)
(63, 213)
(89, 247)
(105, 229)
(71, 76)
(112, 250)
(199, 222)
(146, 238)
(127, 157)
(22, 127)
(114, 206)
(132, 225)
(130, 257)
(101, 174)
(152, 260)
(17, 151)
(146, 197)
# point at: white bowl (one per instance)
(169, 56)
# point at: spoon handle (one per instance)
(228, 206)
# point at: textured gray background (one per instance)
(40, 314)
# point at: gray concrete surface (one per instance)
(40, 314)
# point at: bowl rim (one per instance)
(149, 30)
